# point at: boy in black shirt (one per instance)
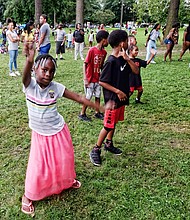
(135, 81)
(114, 79)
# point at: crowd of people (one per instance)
(51, 166)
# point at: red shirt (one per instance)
(94, 60)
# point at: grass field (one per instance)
(150, 180)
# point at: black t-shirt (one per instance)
(116, 73)
(79, 38)
(135, 79)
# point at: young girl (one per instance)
(171, 40)
(151, 41)
(135, 81)
(13, 40)
(27, 36)
(51, 162)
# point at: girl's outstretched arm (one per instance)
(28, 65)
(81, 99)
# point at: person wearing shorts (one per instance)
(135, 81)
(91, 69)
(114, 79)
(60, 37)
(186, 42)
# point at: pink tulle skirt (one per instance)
(51, 165)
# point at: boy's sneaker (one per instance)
(99, 115)
(12, 74)
(95, 156)
(108, 146)
(84, 117)
(137, 101)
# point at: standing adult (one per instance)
(186, 41)
(171, 40)
(44, 44)
(151, 41)
(13, 40)
(60, 37)
(78, 36)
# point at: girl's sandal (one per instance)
(76, 184)
(28, 208)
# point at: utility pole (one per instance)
(121, 18)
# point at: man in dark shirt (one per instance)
(78, 36)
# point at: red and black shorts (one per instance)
(111, 117)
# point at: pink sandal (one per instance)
(76, 184)
(27, 208)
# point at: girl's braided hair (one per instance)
(41, 60)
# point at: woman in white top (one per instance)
(151, 41)
(13, 40)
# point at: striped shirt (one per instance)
(42, 107)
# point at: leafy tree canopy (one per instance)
(95, 11)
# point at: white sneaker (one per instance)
(12, 74)
(152, 62)
(17, 73)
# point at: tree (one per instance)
(172, 15)
(79, 11)
(128, 9)
(104, 17)
(38, 10)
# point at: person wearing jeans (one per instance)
(151, 41)
(13, 40)
(78, 36)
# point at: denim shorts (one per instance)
(168, 41)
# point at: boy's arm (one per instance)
(121, 95)
(84, 74)
(133, 66)
(26, 79)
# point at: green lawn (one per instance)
(150, 180)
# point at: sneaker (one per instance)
(84, 117)
(108, 146)
(17, 73)
(153, 62)
(137, 101)
(61, 58)
(12, 74)
(99, 115)
(95, 156)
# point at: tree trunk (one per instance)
(172, 15)
(54, 18)
(79, 11)
(38, 10)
